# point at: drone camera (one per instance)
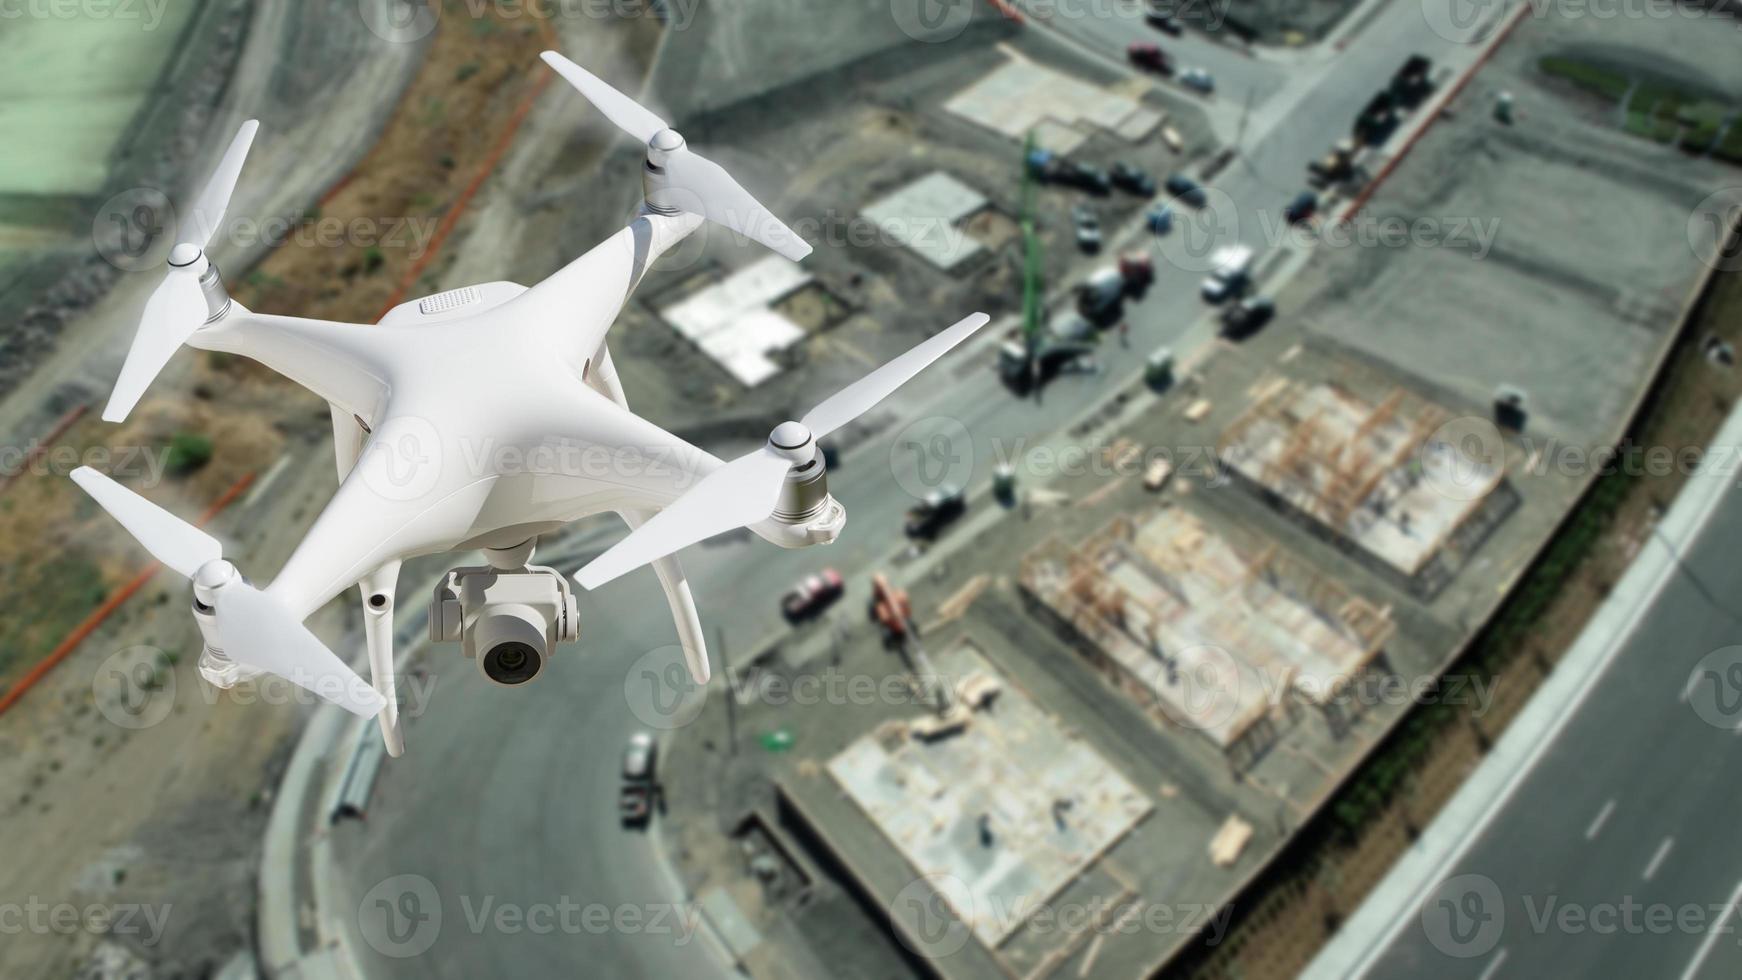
(508, 620)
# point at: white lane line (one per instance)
(1493, 965)
(1712, 934)
(1693, 680)
(1657, 859)
(1596, 826)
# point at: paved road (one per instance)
(511, 794)
(1627, 822)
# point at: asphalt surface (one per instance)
(511, 795)
(1618, 853)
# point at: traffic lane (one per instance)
(506, 802)
(1238, 76)
(1669, 773)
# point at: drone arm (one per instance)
(603, 378)
(578, 303)
(378, 589)
(341, 362)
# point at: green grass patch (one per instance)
(188, 451)
(1611, 85)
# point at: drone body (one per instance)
(482, 418)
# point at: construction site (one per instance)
(1204, 637)
(1386, 480)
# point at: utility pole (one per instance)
(1031, 300)
(731, 695)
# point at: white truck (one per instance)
(1229, 268)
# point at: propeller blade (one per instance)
(863, 395)
(175, 310)
(170, 539)
(258, 631)
(739, 493)
(629, 115)
(725, 202)
(207, 215)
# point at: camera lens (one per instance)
(511, 663)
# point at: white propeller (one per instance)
(178, 307)
(747, 489)
(685, 180)
(257, 630)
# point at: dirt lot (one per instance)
(146, 785)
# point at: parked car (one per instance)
(1081, 176)
(813, 595)
(1304, 206)
(1198, 80)
(640, 758)
(1133, 179)
(1159, 217)
(635, 804)
(1245, 317)
(1145, 54)
(1230, 268)
(1164, 21)
(1137, 268)
(1186, 190)
(1088, 228)
(935, 512)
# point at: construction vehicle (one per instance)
(1337, 165)
(891, 609)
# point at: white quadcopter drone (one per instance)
(482, 418)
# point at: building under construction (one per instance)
(1380, 480)
(1204, 637)
(1000, 815)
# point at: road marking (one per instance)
(1657, 859)
(1712, 935)
(1494, 965)
(1693, 681)
(1602, 818)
